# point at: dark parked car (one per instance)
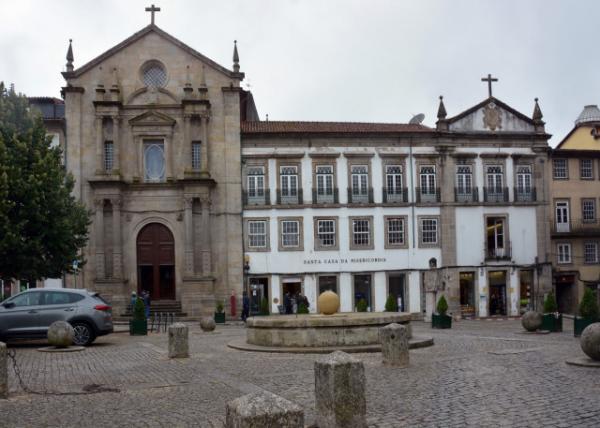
(29, 314)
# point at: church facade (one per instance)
(195, 199)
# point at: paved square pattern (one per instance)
(480, 373)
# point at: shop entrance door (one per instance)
(396, 290)
(497, 281)
(259, 289)
(467, 294)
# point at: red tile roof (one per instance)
(273, 127)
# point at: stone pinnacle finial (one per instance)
(236, 58)
(70, 56)
(441, 114)
(537, 112)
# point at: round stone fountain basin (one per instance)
(321, 331)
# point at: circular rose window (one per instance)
(154, 74)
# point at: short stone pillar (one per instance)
(3, 371)
(340, 391)
(178, 341)
(263, 409)
(394, 344)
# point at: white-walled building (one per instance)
(367, 210)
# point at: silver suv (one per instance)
(29, 314)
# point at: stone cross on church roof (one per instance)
(489, 79)
(152, 9)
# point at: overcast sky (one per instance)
(342, 60)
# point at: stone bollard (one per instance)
(178, 341)
(394, 344)
(340, 391)
(3, 371)
(263, 409)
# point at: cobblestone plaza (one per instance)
(480, 373)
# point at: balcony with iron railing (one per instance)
(525, 194)
(256, 199)
(395, 196)
(323, 196)
(358, 197)
(497, 253)
(291, 197)
(466, 195)
(576, 228)
(427, 195)
(495, 195)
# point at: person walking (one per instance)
(146, 298)
(245, 306)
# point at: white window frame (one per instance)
(588, 169)
(560, 172)
(464, 179)
(393, 179)
(360, 180)
(590, 252)
(293, 235)
(563, 253)
(432, 225)
(288, 181)
(396, 230)
(524, 177)
(562, 216)
(588, 214)
(361, 232)
(427, 179)
(255, 181)
(255, 236)
(324, 232)
(324, 177)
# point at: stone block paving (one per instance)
(479, 373)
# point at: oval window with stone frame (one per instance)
(154, 74)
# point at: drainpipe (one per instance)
(412, 190)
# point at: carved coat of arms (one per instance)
(492, 118)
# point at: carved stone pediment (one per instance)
(152, 118)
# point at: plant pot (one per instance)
(551, 322)
(220, 317)
(441, 321)
(138, 327)
(579, 324)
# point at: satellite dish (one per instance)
(417, 119)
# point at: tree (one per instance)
(442, 306)
(588, 307)
(42, 226)
(550, 305)
(391, 304)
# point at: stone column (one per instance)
(263, 409)
(187, 138)
(116, 230)
(100, 270)
(99, 144)
(116, 143)
(189, 235)
(3, 371)
(205, 236)
(340, 391)
(178, 341)
(394, 344)
(204, 145)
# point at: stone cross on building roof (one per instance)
(489, 79)
(152, 9)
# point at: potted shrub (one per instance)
(264, 306)
(441, 320)
(302, 309)
(138, 326)
(362, 306)
(588, 312)
(551, 320)
(219, 313)
(391, 304)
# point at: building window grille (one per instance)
(290, 233)
(427, 179)
(326, 233)
(256, 183)
(429, 231)
(564, 253)
(464, 180)
(590, 252)
(108, 156)
(586, 169)
(393, 176)
(154, 75)
(523, 179)
(288, 176)
(589, 210)
(324, 175)
(154, 161)
(360, 183)
(361, 232)
(257, 234)
(559, 169)
(395, 229)
(196, 155)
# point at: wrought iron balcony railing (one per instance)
(359, 197)
(322, 196)
(395, 196)
(525, 194)
(427, 195)
(256, 198)
(495, 195)
(466, 194)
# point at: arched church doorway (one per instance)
(156, 261)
